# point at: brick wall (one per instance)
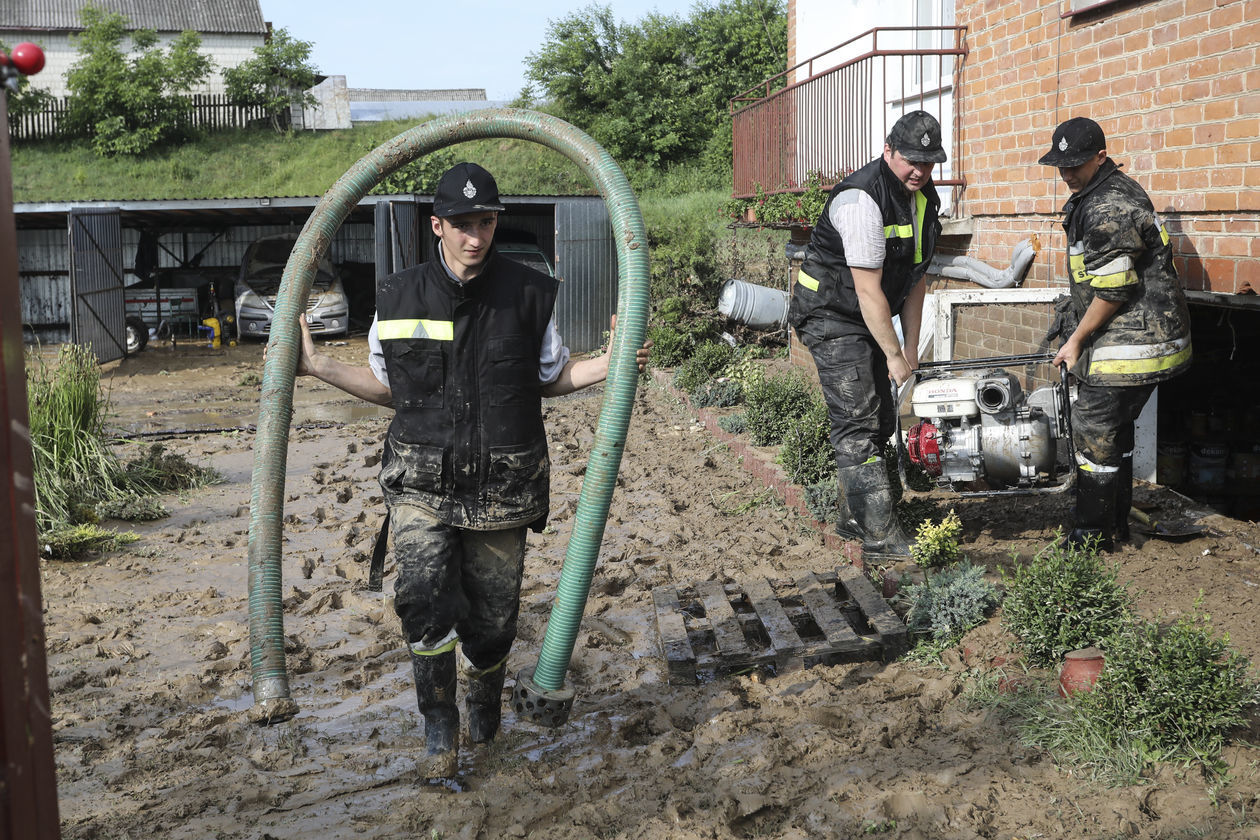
(1175, 84)
(791, 43)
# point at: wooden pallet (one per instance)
(711, 630)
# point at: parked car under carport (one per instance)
(327, 307)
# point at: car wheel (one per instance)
(137, 334)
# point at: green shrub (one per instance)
(1064, 599)
(709, 358)
(670, 345)
(721, 393)
(735, 424)
(822, 499)
(775, 405)
(1176, 690)
(744, 369)
(936, 545)
(951, 603)
(807, 454)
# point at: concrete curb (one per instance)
(762, 466)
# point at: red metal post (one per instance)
(28, 784)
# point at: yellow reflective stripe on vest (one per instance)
(1163, 234)
(1140, 358)
(806, 281)
(416, 328)
(898, 231)
(920, 211)
(1115, 274)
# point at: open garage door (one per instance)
(97, 317)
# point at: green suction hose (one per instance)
(272, 702)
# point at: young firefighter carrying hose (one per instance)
(463, 348)
(1125, 323)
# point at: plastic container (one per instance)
(1207, 467)
(1171, 465)
(755, 306)
(1080, 670)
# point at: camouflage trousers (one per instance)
(456, 578)
(1102, 421)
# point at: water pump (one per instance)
(980, 433)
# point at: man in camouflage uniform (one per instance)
(463, 347)
(1126, 322)
(865, 264)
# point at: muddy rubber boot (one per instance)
(873, 512)
(1095, 509)
(485, 702)
(435, 694)
(846, 528)
(1124, 497)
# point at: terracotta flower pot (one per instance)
(1080, 670)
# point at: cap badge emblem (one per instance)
(469, 189)
(1063, 144)
(926, 140)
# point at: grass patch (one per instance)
(76, 542)
(78, 478)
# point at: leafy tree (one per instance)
(130, 102)
(26, 99)
(279, 75)
(656, 92)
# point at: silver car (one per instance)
(327, 309)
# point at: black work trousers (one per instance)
(853, 373)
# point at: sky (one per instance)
(427, 44)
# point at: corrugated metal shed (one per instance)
(219, 16)
(212, 234)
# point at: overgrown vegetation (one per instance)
(277, 77)
(1175, 689)
(78, 479)
(1168, 691)
(128, 100)
(1066, 598)
(655, 92)
(795, 204)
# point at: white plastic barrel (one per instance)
(759, 307)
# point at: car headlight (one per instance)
(252, 300)
(332, 299)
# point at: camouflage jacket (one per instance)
(1119, 251)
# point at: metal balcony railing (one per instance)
(832, 121)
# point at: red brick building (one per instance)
(1175, 84)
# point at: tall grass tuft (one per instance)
(74, 468)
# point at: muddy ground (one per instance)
(149, 659)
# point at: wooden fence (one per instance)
(209, 111)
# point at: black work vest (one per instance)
(824, 300)
(467, 440)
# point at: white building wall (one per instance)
(61, 54)
(822, 28)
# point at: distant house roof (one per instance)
(217, 16)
